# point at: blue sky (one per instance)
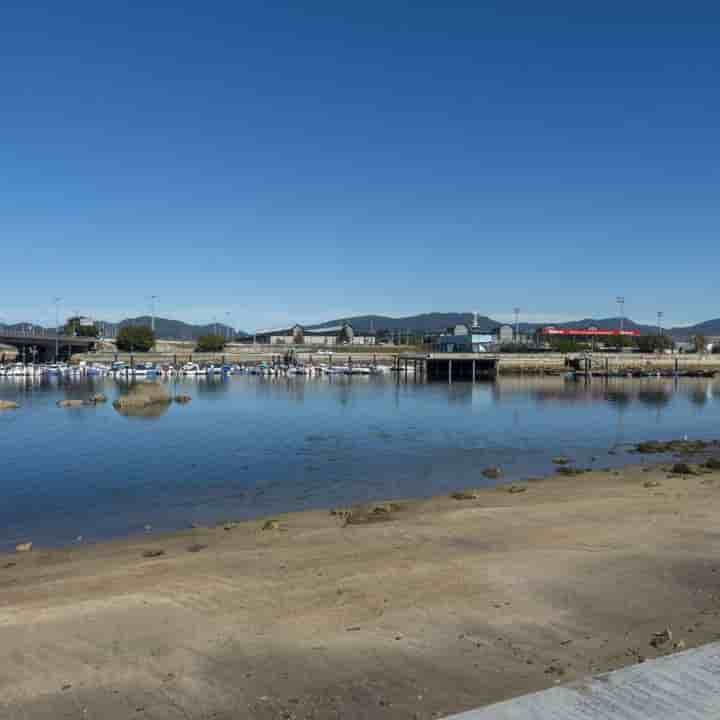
(286, 164)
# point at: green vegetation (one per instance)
(654, 343)
(74, 327)
(512, 347)
(566, 345)
(210, 343)
(135, 338)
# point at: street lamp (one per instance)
(660, 317)
(621, 303)
(228, 329)
(153, 298)
(57, 301)
(517, 324)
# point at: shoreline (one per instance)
(406, 608)
(611, 460)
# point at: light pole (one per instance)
(621, 303)
(660, 317)
(517, 324)
(153, 298)
(57, 301)
(229, 330)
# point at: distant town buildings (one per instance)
(298, 335)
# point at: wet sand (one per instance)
(409, 611)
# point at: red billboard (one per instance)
(588, 332)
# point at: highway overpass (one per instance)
(45, 347)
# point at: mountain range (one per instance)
(423, 323)
(164, 328)
(437, 322)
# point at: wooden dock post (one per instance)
(449, 372)
(473, 371)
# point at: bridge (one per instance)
(44, 347)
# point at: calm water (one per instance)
(248, 446)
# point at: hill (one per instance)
(165, 329)
(425, 323)
(173, 329)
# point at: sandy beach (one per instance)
(410, 609)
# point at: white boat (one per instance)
(192, 369)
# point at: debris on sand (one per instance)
(712, 463)
(661, 638)
(493, 472)
(466, 495)
(651, 484)
(569, 470)
(682, 469)
(366, 514)
(382, 508)
(197, 547)
(516, 489)
(24, 547)
(153, 553)
(272, 525)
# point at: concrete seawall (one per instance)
(509, 364)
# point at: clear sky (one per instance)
(281, 163)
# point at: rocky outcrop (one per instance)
(149, 401)
(8, 405)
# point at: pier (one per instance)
(447, 366)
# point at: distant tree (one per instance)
(210, 343)
(137, 338)
(513, 347)
(566, 345)
(654, 343)
(618, 342)
(75, 328)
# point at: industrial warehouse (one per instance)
(343, 334)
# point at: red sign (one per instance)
(576, 332)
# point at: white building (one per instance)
(298, 335)
(462, 339)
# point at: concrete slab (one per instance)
(683, 686)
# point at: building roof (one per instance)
(331, 330)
